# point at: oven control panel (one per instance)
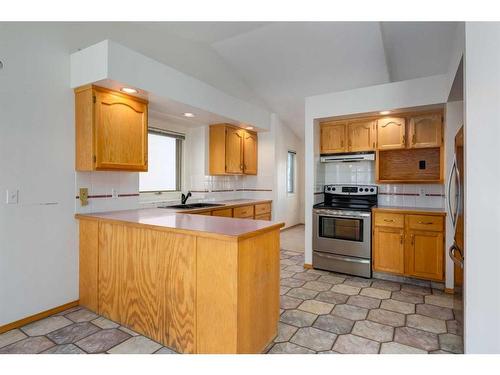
(351, 189)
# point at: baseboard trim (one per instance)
(308, 266)
(40, 315)
(449, 290)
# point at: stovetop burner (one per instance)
(349, 197)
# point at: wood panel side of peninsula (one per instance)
(191, 292)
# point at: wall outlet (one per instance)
(422, 192)
(114, 193)
(84, 196)
(12, 197)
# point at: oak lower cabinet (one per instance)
(111, 130)
(232, 150)
(388, 250)
(409, 244)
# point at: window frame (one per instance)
(293, 172)
(179, 140)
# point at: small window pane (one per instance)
(162, 164)
(291, 172)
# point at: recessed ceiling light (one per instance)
(249, 128)
(385, 112)
(129, 90)
(188, 114)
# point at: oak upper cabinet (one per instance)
(391, 133)
(250, 151)
(361, 135)
(425, 130)
(111, 130)
(333, 137)
(388, 244)
(232, 150)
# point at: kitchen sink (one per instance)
(192, 205)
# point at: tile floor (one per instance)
(322, 312)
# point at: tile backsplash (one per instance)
(406, 195)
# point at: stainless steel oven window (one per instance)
(341, 228)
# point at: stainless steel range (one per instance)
(342, 229)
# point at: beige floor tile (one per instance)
(375, 293)
(386, 317)
(425, 323)
(345, 289)
(317, 286)
(351, 344)
(47, 325)
(136, 345)
(285, 332)
(350, 312)
(10, 337)
(397, 348)
(398, 306)
(314, 339)
(443, 300)
(373, 331)
(414, 337)
(316, 307)
(363, 301)
(104, 323)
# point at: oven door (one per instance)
(342, 234)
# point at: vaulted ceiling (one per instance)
(283, 62)
(278, 64)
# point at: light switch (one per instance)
(12, 197)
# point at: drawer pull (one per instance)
(401, 240)
(425, 222)
(389, 220)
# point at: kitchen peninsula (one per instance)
(192, 282)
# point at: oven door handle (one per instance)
(342, 217)
(346, 259)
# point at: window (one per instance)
(290, 172)
(164, 162)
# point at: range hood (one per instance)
(347, 157)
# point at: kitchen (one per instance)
(346, 239)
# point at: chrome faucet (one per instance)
(184, 198)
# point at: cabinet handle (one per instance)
(403, 140)
(341, 143)
(425, 222)
(373, 145)
(389, 221)
(413, 139)
(412, 239)
(241, 166)
(401, 239)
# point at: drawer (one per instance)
(227, 212)
(388, 219)
(245, 211)
(426, 222)
(262, 208)
(263, 217)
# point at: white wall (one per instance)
(288, 207)
(404, 94)
(38, 236)
(482, 179)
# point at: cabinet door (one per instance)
(425, 255)
(391, 133)
(388, 250)
(234, 150)
(121, 133)
(333, 138)
(425, 131)
(250, 144)
(361, 136)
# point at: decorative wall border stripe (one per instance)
(109, 196)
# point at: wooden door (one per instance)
(391, 133)
(425, 131)
(333, 137)
(425, 254)
(361, 135)
(234, 150)
(388, 250)
(121, 132)
(250, 147)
